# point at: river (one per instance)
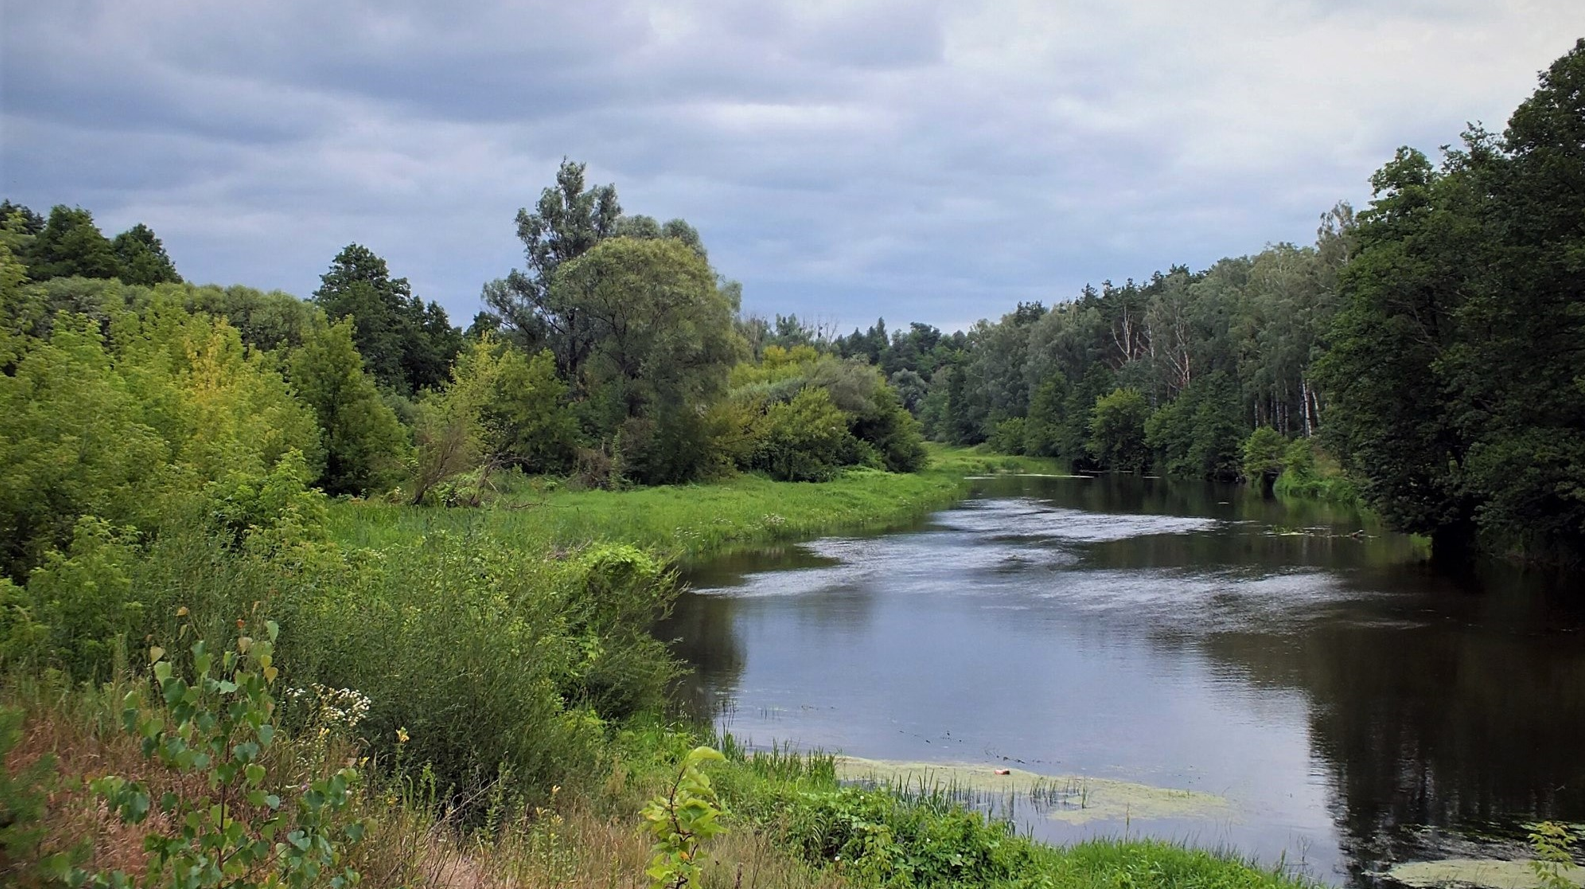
(1343, 705)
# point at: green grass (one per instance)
(684, 522)
(896, 835)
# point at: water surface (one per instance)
(1354, 706)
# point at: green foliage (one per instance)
(494, 660)
(406, 345)
(78, 608)
(267, 515)
(661, 344)
(567, 222)
(1009, 436)
(1453, 363)
(142, 258)
(805, 439)
(681, 820)
(1263, 456)
(873, 836)
(1553, 845)
(1042, 428)
(1117, 431)
(1197, 435)
(892, 434)
(232, 828)
(773, 424)
(133, 430)
(266, 320)
(71, 245)
(527, 417)
(74, 440)
(1310, 473)
(364, 443)
(449, 434)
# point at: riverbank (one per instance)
(789, 823)
(685, 522)
(509, 731)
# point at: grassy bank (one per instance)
(789, 823)
(682, 522)
(509, 731)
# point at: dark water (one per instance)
(1357, 707)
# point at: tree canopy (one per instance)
(406, 344)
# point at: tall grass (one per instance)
(683, 522)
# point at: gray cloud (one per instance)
(926, 161)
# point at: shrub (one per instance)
(1117, 431)
(1264, 456)
(233, 827)
(802, 440)
(1009, 436)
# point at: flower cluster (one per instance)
(342, 707)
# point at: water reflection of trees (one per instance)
(1468, 716)
(702, 631)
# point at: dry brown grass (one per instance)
(575, 843)
(60, 725)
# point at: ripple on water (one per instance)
(1199, 601)
(914, 564)
(1029, 519)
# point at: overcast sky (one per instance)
(844, 160)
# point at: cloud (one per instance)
(844, 160)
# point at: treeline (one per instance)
(617, 358)
(1433, 346)
(167, 450)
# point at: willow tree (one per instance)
(661, 343)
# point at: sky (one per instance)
(917, 161)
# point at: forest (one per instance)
(1432, 344)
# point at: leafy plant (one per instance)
(1551, 842)
(231, 829)
(681, 820)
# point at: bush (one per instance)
(1009, 436)
(1117, 431)
(803, 440)
(492, 662)
(1264, 456)
(1307, 472)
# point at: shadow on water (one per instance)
(1357, 707)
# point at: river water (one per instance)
(1351, 706)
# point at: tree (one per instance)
(1389, 422)
(406, 344)
(1117, 431)
(27, 221)
(568, 221)
(449, 435)
(1515, 374)
(136, 427)
(1263, 456)
(73, 442)
(363, 440)
(142, 258)
(71, 244)
(528, 420)
(660, 343)
(1198, 434)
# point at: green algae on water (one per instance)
(1482, 873)
(1071, 799)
